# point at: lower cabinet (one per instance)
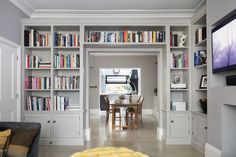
(179, 126)
(199, 131)
(178, 129)
(58, 129)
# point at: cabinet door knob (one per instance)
(54, 121)
(48, 121)
(172, 121)
(206, 127)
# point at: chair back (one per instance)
(141, 99)
(107, 102)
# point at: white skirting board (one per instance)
(87, 134)
(160, 133)
(97, 111)
(211, 151)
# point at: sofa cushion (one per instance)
(4, 140)
(20, 142)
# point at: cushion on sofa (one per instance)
(4, 140)
(20, 142)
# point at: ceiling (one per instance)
(33, 6)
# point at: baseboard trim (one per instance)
(211, 151)
(87, 134)
(148, 111)
(94, 111)
(198, 146)
(160, 133)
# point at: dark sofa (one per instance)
(34, 147)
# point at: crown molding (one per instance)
(24, 6)
(27, 8)
(186, 13)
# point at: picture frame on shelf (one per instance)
(203, 82)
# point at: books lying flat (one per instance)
(178, 86)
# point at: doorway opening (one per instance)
(97, 59)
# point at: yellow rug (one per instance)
(109, 152)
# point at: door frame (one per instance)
(18, 51)
(158, 52)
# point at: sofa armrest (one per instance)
(34, 147)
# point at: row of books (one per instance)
(125, 36)
(200, 34)
(36, 103)
(175, 38)
(34, 38)
(35, 62)
(66, 40)
(179, 60)
(66, 82)
(32, 82)
(66, 61)
(200, 57)
(60, 103)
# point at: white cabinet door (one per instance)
(65, 125)
(179, 125)
(44, 120)
(199, 129)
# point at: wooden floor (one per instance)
(143, 140)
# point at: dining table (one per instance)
(123, 105)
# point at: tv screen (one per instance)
(224, 45)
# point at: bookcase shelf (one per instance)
(179, 68)
(124, 45)
(66, 68)
(201, 66)
(38, 69)
(179, 90)
(66, 90)
(66, 48)
(177, 47)
(202, 43)
(199, 90)
(37, 90)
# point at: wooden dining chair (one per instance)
(109, 111)
(140, 110)
(130, 113)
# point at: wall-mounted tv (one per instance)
(224, 44)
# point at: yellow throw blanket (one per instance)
(109, 152)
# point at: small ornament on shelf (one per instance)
(182, 40)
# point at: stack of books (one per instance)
(66, 61)
(66, 82)
(179, 60)
(35, 62)
(200, 34)
(34, 38)
(125, 36)
(66, 40)
(175, 38)
(60, 103)
(36, 103)
(32, 82)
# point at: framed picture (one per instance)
(203, 82)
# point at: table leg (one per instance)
(113, 116)
(136, 117)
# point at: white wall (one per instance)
(219, 94)
(148, 75)
(10, 17)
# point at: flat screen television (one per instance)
(224, 44)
